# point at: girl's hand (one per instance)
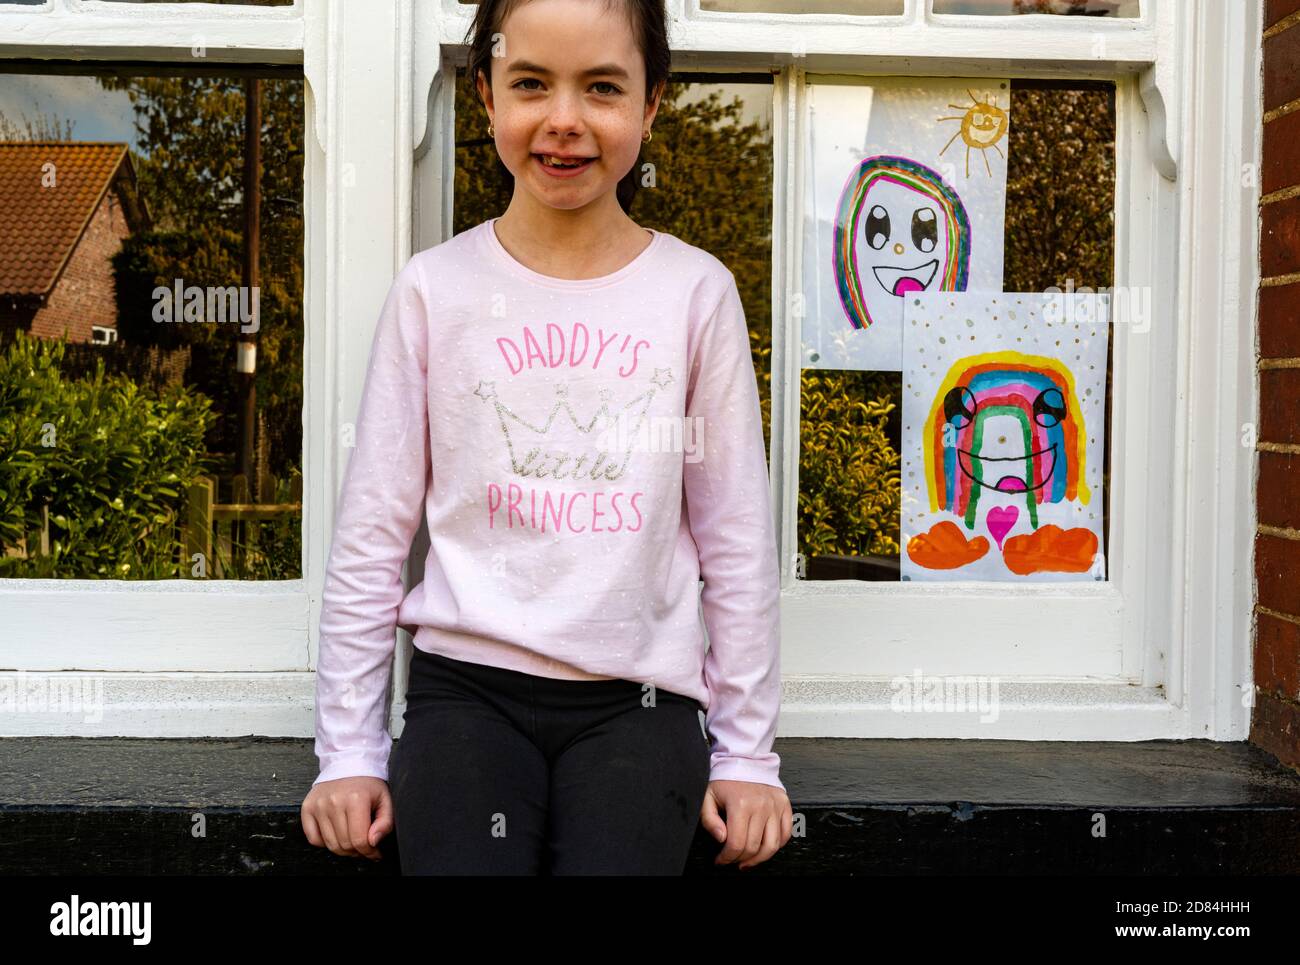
(759, 821)
(337, 815)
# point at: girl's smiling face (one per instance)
(570, 85)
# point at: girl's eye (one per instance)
(613, 89)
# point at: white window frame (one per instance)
(1161, 650)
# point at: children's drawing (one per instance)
(983, 124)
(887, 214)
(1003, 432)
(900, 229)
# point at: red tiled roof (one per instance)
(40, 226)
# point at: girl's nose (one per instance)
(565, 113)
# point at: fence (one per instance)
(232, 525)
(229, 528)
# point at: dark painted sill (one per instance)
(127, 806)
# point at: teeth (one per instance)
(557, 163)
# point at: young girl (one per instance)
(572, 399)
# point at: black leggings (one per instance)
(504, 773)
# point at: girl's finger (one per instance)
(383, 817)
(358, 824)
(771, 839)
(310, 829)
(753, 839)
(327, 832)
(738, 825)
(710, 818)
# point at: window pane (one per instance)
(1058, 232)
(863, 8)
(1001, 8)
(123, 240)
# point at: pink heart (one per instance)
(1000, 520)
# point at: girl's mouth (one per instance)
(566, 169)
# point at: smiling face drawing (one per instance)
(984, 125)
(1008, 425)
(906, 240)
(1004, 454)
(899, 229)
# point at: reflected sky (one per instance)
(96, 114)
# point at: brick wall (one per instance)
(1275, 722)
(84, 295)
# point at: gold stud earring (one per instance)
(491, 133)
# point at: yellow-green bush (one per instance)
(110, 462)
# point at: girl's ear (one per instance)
(484, 90)
(652, 105)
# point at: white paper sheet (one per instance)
(1004, 414)
(906, 191)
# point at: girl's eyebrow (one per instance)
(603, 70)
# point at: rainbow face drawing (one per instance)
(899, 228)
(1009, 424)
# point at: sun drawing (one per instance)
(982, 125)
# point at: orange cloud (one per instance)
(1051, 548)
(945, 547)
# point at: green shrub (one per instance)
(849, 483)
(110, 462)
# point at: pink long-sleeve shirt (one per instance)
(585, 452)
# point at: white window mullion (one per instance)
(363, 144)
(787, 266)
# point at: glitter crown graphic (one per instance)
(548, 448)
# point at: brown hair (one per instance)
(649, 28)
